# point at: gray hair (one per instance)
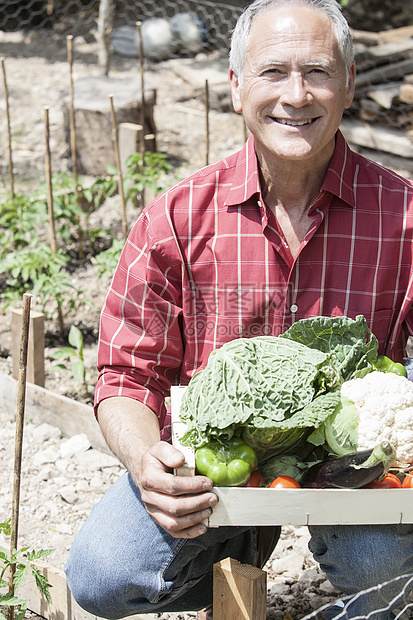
(331, 8)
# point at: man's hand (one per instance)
(179, 504)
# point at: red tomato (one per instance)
(284, 482)
(255, 479)
(390, 481)
(408, 482)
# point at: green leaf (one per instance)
(20, 576)
(37, 555)
(259, 386)
(64, 352)
(42, 584)
(76, 338)
(5, 527)
(350, 343)
(21, 611)
(78, 370)
(10, 600)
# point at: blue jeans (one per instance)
(122, 563)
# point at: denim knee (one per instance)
(362, 556)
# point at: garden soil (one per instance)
(63, 478)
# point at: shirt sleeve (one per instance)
(140, 347)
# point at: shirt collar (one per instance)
(339, 179)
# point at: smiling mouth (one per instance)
(293, 123)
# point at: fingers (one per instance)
(157, 464)
(186, 526)
(179, 504)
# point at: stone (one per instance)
(280, 589)
(69, 494)
(93, 460)
(290, 564)
(43, 457)
(45, 432)
(75, 445)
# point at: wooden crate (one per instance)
(249, 506)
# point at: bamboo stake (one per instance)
(119, 168)
(48, 171)
(69, 40)
(206, 123)
(6, 96)
(18, 445)
(142, 71)
(50, 207)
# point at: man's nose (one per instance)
(296, 91)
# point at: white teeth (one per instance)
(285, 121)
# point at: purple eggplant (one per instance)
(350, 471)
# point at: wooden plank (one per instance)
(240, 591)
(395, 34)
(384, 73)
(248, 506)
(251, 506)
(406, 93)
(377, 137)
(384, 94)
(35, 348)
(364, 37)
(63, 606)
(42, 405)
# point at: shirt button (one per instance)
(293, 308)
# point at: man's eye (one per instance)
(273, 71)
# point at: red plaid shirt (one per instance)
(206, 262)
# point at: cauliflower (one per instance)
(373, 409)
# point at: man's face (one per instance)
(294, 88)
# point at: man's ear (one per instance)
(235, 91)
(351, 85)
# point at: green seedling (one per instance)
(22, 562)
(147, 171)
(106, 261)
(37, 270)
(74, 354)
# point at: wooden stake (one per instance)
(18, 445)
(69, 40)
(6, 96)
(48, 170)
(206, 123)
(119, 168)
(50, 208)
(143, 104)
(240, 591)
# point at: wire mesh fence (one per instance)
(397, 607)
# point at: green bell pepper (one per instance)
(227, 464)
(385, 364)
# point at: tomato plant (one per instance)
(390, 481)
(284, 482)
(255, 480)
(408, 482)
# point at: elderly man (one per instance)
(294, 225)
